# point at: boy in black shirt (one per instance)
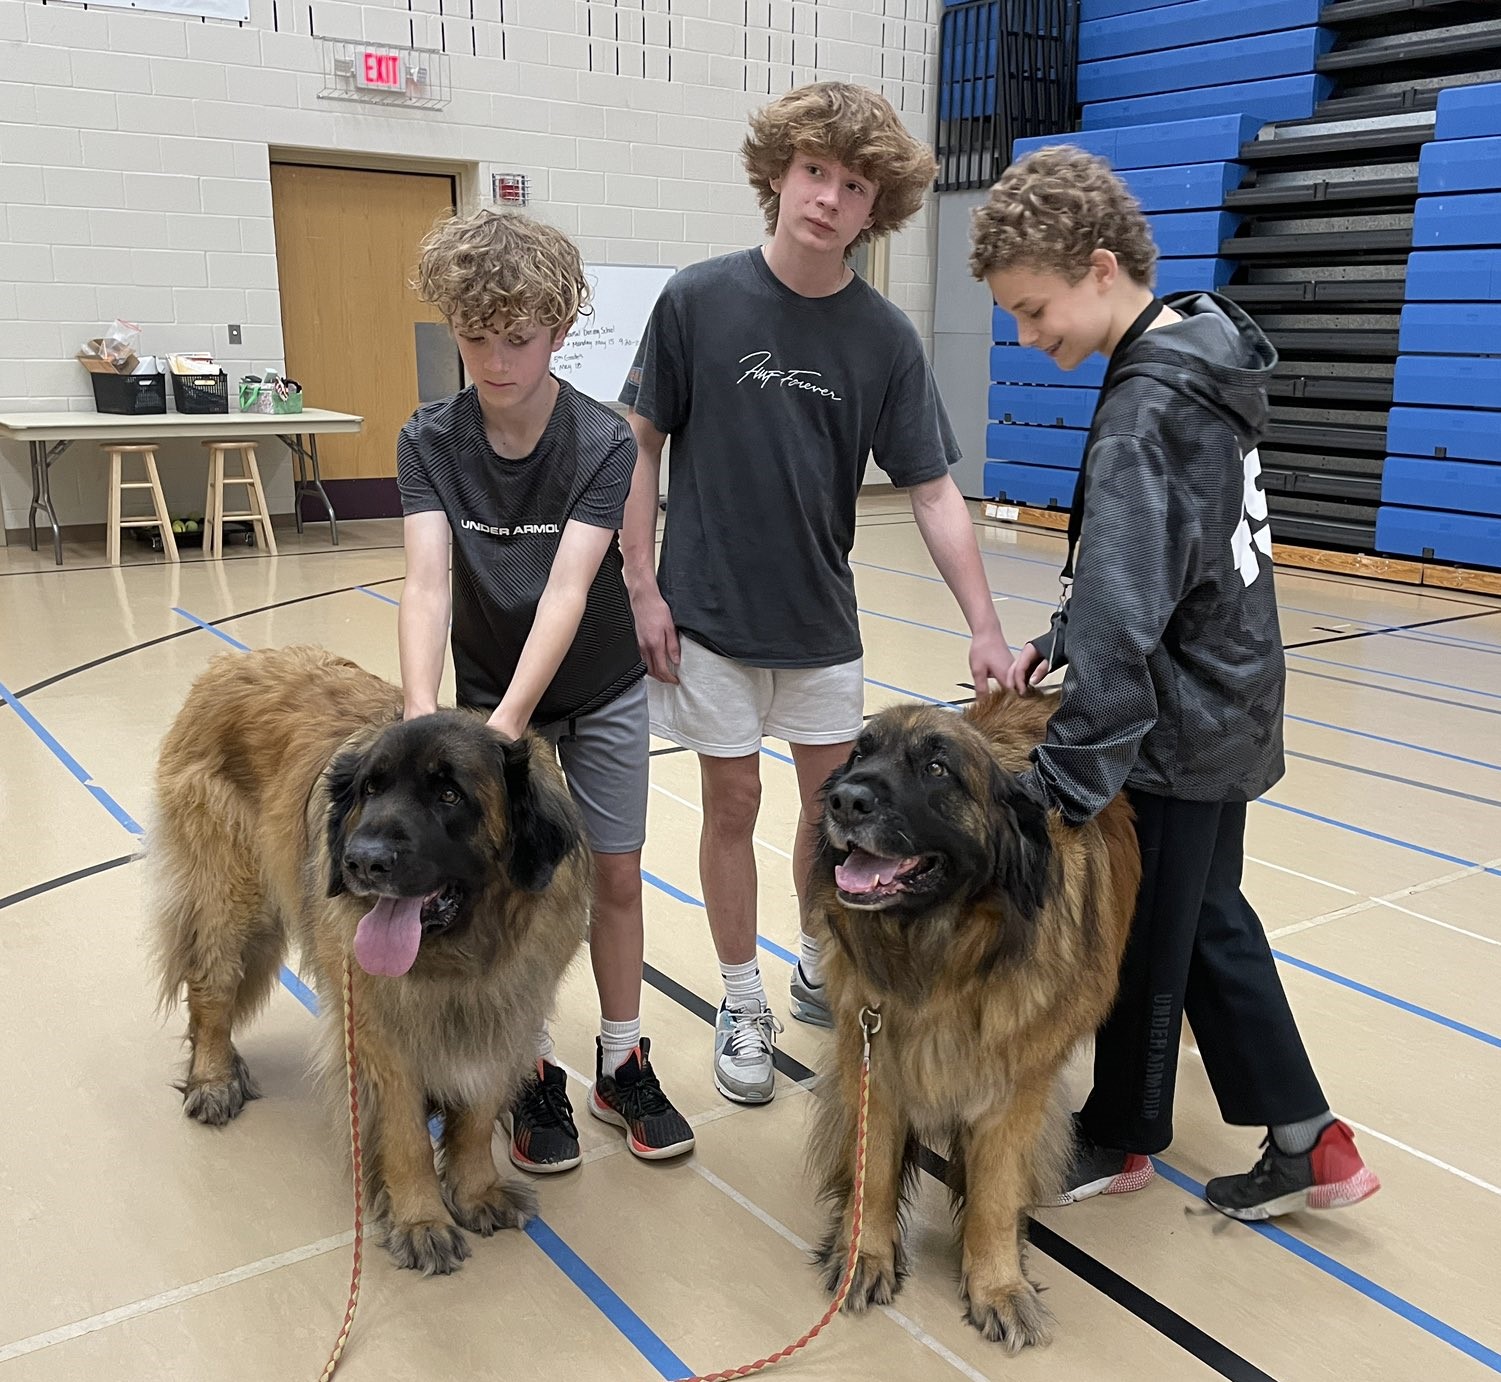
(1174, 685)
(526, 480)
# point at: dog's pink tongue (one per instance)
(386, 940)
(863, 873)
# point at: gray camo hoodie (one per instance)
(1175, 673)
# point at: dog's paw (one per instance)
(1012, 1316)
(216, 1102)
(502, 1205)
(431, 1247)
(876, 1279)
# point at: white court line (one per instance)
(694, 806)
(1306, 877)
(94, 1323)
(1393, 1142)
(782, 1231)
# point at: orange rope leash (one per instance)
(359, 1181)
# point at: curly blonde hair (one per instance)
(852, 125)
(502, 268)
(1052, 209)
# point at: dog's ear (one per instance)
(542, 831)
(1023, 849)
(338, 782)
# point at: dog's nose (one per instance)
(371, 859)
(852, 799)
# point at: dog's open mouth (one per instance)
(389, 934)
(865, 879)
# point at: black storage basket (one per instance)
(201, 393)
(133, 395)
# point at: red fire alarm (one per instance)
(509, 189)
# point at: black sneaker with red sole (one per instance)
(544, 1137)
(632, 1099)
(1330, 1175)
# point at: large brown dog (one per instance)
(989, 936)
(441, 861)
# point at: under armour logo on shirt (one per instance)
(1246, 540)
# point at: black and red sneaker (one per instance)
(632, 1099)
(1095, 1170)
(1330, 1175)
(544, 1137)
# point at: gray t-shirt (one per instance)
(773, 401)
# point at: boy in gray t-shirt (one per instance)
(777, 371)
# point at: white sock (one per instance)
(616, 1042)
(1298, 1138)
(545, 1049)
(743, 989)
(810, 961)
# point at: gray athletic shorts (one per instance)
(605, 758)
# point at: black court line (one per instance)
(250, 555)
(1110, 1283)
(1393, 777)
(38, 889)
(1393, 628)
(191, 629)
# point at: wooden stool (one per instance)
(162, 520)
(214, 513)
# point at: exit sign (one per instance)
(377, 71)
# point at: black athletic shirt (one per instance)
(507, 519)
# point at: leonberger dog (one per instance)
(442, 862)
(988, 935)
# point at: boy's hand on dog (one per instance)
(990, 659)
(656, 636)
(1030, 669)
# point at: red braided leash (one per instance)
(870, 1024)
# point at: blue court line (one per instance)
(1377, 835)
(70, 763)
(1397, 676)
(579, 1272)
(688, 900)
(911, 695)
(209, 628)
(1463, 1028)
(1397, 743)
(938, 580)
(1380, 1295)
(365, 590)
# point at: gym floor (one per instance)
(146, 1246)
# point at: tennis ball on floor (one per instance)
(191, 526)
(177, 526)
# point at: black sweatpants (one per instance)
(1196, 947)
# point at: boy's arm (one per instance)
(422, 621)
(656, 635)
(943, 520)
(1123, 597)
(580, 551)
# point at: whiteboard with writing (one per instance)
(601, 348)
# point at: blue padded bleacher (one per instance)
(1469, 112)
(1014, 364)
(1214, 137)
(1192, 275)
(1251, 59)
(1451, 328)
(1041, 486)
(1199, 21)
(1445, 381)
(1090, 10)
(1042, 405)
(1464, 218)
(1452, 486)
(1454, 276)
(1465, 434)
(1460, 165)
(1280, 98)
(1469, 539)
(1183, 187)
(1192, 234)
(1060, 447)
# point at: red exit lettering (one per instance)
(383, 70)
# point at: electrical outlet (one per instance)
(234, 333)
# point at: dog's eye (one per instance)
(448, 797)
(369, 789)
(937, 768)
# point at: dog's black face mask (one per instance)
(426, 821)
(921, 814)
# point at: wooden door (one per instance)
(346, 251)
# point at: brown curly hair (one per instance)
(502, 268)
(1052, 209)
(853, 125)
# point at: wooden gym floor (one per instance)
(143, 1246)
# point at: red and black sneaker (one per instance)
(544, 1137)
(1330, 1175)
(1097, 1170)
(632, 1099)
